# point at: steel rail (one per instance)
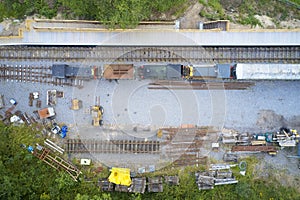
(130, 54)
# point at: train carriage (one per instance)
(238, 71)
(160, 72)
(63, 71)
(243, 71)
(267, 71)
(208, 71)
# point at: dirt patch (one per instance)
(191, 18)
(10, 27)
(268, 120)
(293, 23)
(294, 122)
(239, 26)
(270, 23)
(284, 170)
(265, 21)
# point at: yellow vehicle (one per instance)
(76, 104)
(97, 113)
(187, 72)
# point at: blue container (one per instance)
(63, 134)
(64, 129)
(30, 149)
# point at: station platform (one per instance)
(39, 32)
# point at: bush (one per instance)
(250, 20)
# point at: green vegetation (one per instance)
(270, 8)
(128, 13)
(217, 11)
(244, 11)
(115, 14)
(23, 176)
(249, 20)
(20, 9)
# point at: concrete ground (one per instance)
(128, 103)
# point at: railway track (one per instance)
(180, 146)
(129, 54)
(43, 74)
(199, 85)
(183, 145)
(112, 146)
(34, 74)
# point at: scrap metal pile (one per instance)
(218, 174)
(263, 142)
(121, 180)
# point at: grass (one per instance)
(217, 10)
(249, 20)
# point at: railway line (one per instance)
(38, 73)
(184, 146)
(34, 74)
(112, 146)
(43, 74)
(172, 54)
(199, 85)
(180, 146)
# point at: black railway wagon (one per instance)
(204, 71)
(160, 72)
(66, 71)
